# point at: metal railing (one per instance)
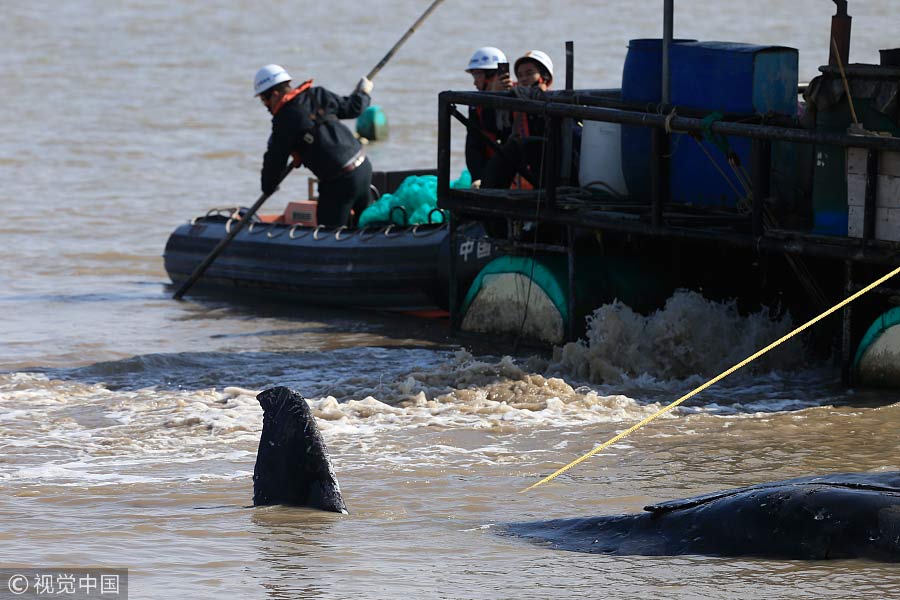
(663, 121)
(571, 105)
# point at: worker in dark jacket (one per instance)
(525, 148)
(306, 126)
(484, 67)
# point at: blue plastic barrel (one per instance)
(641, 83)
(725, 77)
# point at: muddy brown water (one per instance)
(128, 423)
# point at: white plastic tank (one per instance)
(601, 157)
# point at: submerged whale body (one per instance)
(846, 515)
(292, 464)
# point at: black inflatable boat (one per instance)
(402, 268)
(390, 267)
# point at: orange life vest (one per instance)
(298, 160)
(291, 95)
(488, 148)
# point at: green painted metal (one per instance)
(881, 324)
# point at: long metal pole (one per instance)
(659, 178)
(840, 35)
(873, 251)
(660, 139)
(668, 28)
(571, 301)
(565, 153)
(847, 329)
(760, 168)
(223, 243)
(403, 39)
(683, 124)
(443, 190)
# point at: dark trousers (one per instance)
(338, 196)
(518, 153)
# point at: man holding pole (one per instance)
(306, 126)
(336, 145)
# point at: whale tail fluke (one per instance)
(292, 464)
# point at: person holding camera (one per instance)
(524, 149)
(490, 73)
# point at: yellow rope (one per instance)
(715, 379)
(840, 63)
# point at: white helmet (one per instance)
(538, 57)
(486, 58)
(269, 76)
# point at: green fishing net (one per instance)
(413, 203)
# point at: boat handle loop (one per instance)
(253, 224)
(427, 232)
(316, 231)
(280, 233)
(337, 232)
(222, 211)
(215, 212)
(440, 212)
(228, 223)
(362, 231)
(293, 229)
(387, 231)
(405, 215)
(234, 216)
